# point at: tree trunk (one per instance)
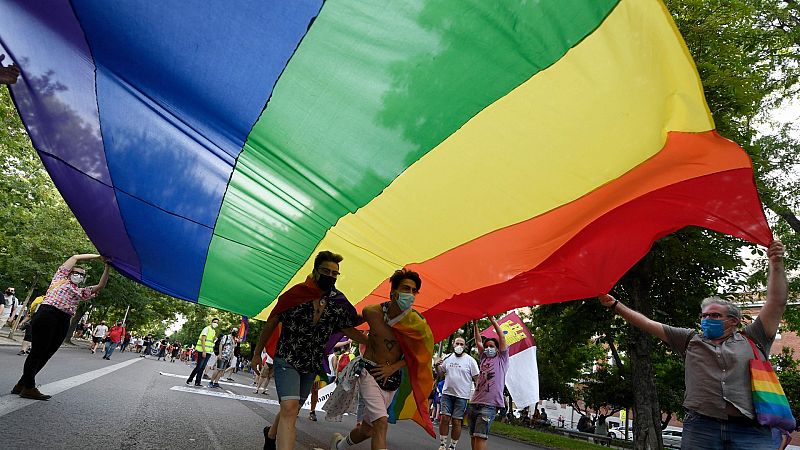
(73, 323)
(781, 210)
(647, 413)
(791, 219)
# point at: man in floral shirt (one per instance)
(50, 324)
(309, 314)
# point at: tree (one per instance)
(38, 232)
(746, 52)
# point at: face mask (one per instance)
(491, 352)
(214, 325)
(75, 278)
(712, 328)
(326, 282)
(405, 300)
(459, 349)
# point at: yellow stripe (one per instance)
(600, 111)
(767, 386)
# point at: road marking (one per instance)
(175, 375)
(245, 398)
(11, 402)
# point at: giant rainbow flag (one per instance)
(512, 152)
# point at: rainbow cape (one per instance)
(411, 398)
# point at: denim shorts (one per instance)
(291, 384)
(480, 419)
(453, 406)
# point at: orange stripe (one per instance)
(764, 376)
(600, 254)
(503, 254)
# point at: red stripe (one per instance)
(594, 259)
(505, 253)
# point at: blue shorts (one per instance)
(480, 419)
(453, 406)
(291, 384)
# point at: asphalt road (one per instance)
(131, 402)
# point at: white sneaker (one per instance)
(335, 440)
(442, 447)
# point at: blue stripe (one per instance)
(179, 86)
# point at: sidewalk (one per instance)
(17, 341)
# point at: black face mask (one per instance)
(325, 282)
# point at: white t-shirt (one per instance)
(10, 303)
(100, 331)
(459, 371)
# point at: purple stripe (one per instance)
(100, 218)
(57, 102)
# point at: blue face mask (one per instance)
(405, 300)
(491, 352)
(712, 328)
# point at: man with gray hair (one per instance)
(718, 399)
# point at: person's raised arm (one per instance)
(266, 332)
(103, 279)
(477, 335)
(501, 338)
(72, 260)
(773, 309)
(634, 318)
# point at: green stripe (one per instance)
(371, 89)
(770, 398)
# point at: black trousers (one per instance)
(199, 368)
(49, 327)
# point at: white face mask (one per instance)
(491, 352)
(459, 349)
(214, 324)
(76, 278)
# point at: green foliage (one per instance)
(548, 440)
(38, 233)
(788, 370)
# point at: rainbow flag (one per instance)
(411, 398)
(513, 153)
(772, 407)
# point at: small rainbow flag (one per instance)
(769, 400)
(411, 398)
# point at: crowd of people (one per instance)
(312, 318)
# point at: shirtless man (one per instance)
(383, 360)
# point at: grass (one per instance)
(541, 438)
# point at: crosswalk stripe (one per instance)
(175, 375)
(223, 394)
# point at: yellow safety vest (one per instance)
(210, 335)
